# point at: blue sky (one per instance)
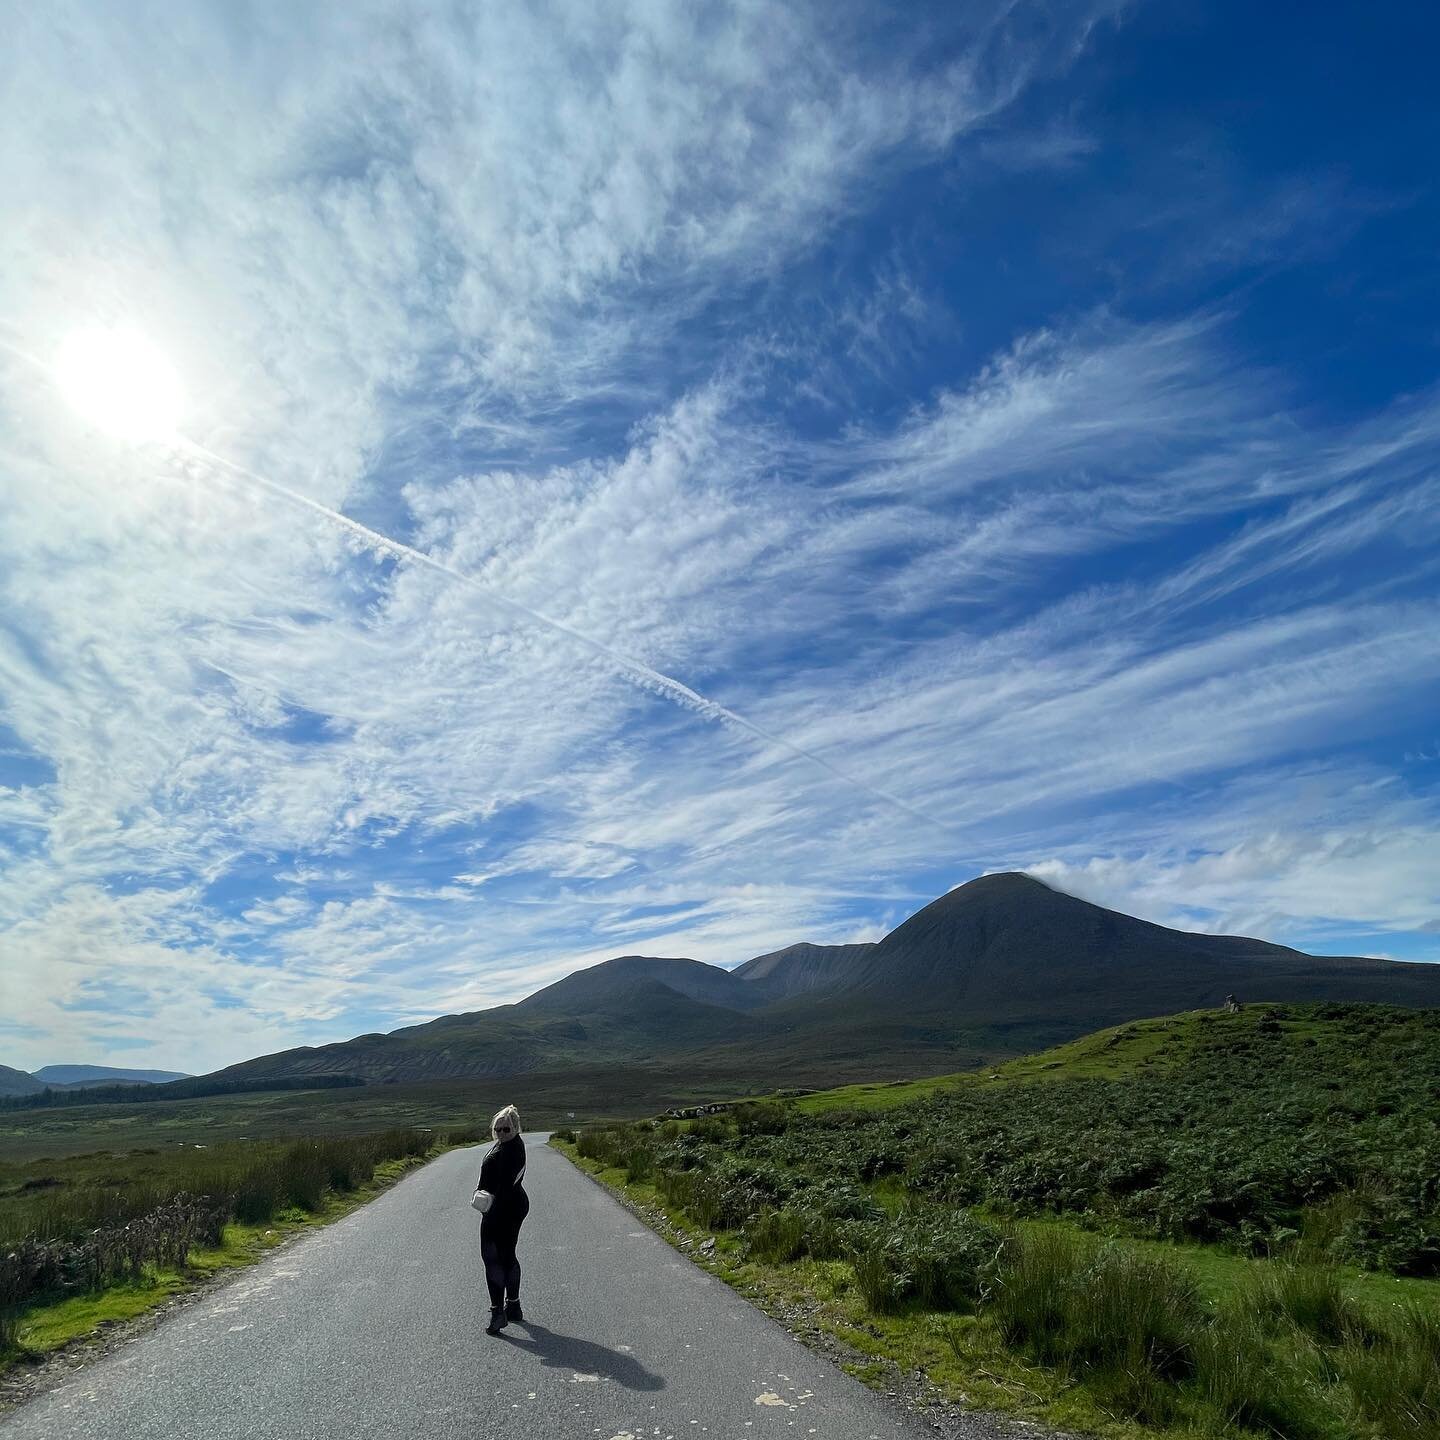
(878, 445)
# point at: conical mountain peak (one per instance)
(1008, 943)
(998, 885)
(1000, 964)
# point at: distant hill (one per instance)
(625, 1017)
(998, 967)
(18, 1082)
(103, 1075)
(802, 969)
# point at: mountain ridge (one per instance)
(707, 984)
(78, 1077)
(62, 1075)
(801, 968)
(18, 1082)
(997, 966)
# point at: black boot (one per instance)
(498, 1320)
(513, 1310)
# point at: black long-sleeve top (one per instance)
(501, 1173)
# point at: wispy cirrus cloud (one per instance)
(514, 289)
(1014, 719)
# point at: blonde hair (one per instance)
(510, 1116)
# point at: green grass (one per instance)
(879, 1096)
(1141, 1046)
(1117, 1338)
(65, 1200)
(30, 1135)
(595, 1093)
(544, 1101)
(1223, 1275)
(962, 1357)
(1305, 1127)
(1107, 1054)
(51, 1327)
(1154, 1230)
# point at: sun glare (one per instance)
(121, 383)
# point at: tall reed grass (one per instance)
(1395, 1380)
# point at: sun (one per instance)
(118, 380)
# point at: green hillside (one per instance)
(1213, 1224)
(1140, 1047)
(1280, 1125)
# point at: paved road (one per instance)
(374, 1326)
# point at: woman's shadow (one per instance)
(584, 1357)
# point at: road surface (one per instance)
(374, 1326)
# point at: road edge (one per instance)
(911, 1394)
(23, 1381)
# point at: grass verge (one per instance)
(45, 1328)
(964, 1365)
(1061, 1326)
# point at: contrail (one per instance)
(27, 357)
(647, 675)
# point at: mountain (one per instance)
(1010, 951)
(801, 969)
(74, 1077)
(603, 983)
(1000, 966)
(104, 1075)
(18, 1082)
(623, 1016)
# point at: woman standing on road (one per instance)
(501, 1173)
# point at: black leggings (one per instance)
(502, 1269)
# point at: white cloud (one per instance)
(432, 238)
(1328, 885)
(444, 710)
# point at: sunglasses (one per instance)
(504, 1130)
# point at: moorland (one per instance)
(999, 967)
(1019, 1145)
(1217, 1224)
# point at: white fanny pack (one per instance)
(482, 1200)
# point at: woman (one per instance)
(501, 1173)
